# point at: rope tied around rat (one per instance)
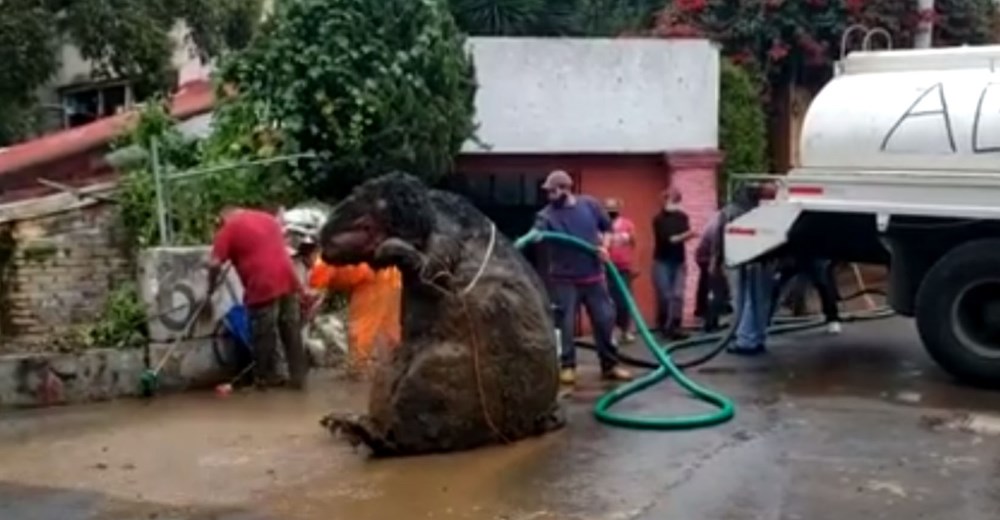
(485, 262)
(431, 281)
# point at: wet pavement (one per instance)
(862, 425)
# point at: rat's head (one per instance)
(393, 205)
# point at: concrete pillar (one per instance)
(924, 37)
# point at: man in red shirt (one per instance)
(254, 243)
(622, 253)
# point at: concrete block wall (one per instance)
(173, 282)
(60, 258)
(46, 379)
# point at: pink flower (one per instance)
(778, 51)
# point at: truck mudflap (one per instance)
(759, 231)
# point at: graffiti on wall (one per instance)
(174, 283)
(38, 379)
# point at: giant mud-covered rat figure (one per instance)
(477, 363)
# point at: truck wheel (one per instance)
(958, 312)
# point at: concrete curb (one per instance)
(47, 379)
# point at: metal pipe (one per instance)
(235, 166)
(846, 38)
(161, 213)
(168, 205)
(866, 45)
(924, 37)
(838, 66)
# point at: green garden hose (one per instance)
(781, 325)
(666, 368)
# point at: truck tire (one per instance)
(958, 312)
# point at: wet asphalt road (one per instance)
(857, 426)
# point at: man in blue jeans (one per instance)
(576, 276)
(751, 286)
(752, 303)
(671, 229)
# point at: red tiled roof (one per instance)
(191, 99)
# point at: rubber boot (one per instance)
(567, 376)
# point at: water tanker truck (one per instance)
(900, 166)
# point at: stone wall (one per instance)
(60, 258)
(46, 379)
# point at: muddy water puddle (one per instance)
(882, 360)
(195, 455)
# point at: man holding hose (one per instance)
(576, 276)
(254, 243)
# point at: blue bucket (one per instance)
(237, 323)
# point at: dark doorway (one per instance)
(511, 200)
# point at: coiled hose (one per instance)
(664, 367)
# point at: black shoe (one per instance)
(747, 351)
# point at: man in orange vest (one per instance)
(373, 309)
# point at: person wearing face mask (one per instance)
(671, 229)
(577, 277)
(621, 251)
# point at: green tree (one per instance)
(122, 38)
(28, 40)
(742, 124)
(194, 202)
(515, 17)
(553, 17)
(785, 37)
(366, 86)
(958, 22)
(609, 18)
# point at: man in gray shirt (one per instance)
(713, 292)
